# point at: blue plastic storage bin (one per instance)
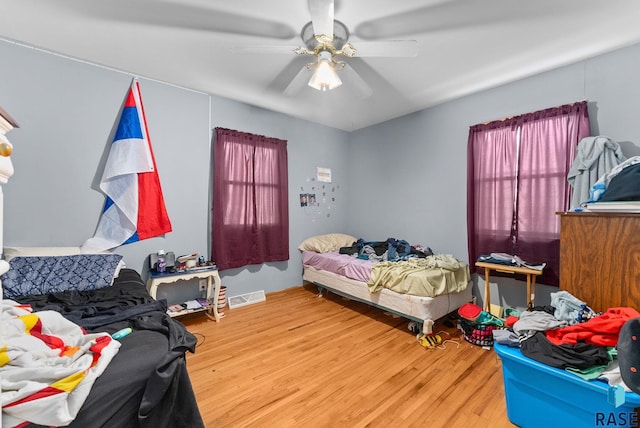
(538, 395)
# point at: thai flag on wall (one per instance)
(134, 208)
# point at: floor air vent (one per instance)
(246, 299)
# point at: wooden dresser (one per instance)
(600, 258)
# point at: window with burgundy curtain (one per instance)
(517, 180)
(250, 199)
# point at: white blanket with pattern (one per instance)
(47, 365)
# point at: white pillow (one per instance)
(327, 243)
(11, 252)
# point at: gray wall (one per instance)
(309, 146)
(67, 111)
(405, 178)
(415, 166)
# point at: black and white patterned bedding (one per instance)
(36, 275)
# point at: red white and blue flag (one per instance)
(134, 209)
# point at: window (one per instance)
(517, 180)
(250, 199)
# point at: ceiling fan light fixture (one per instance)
(325, 77)
(340, 36)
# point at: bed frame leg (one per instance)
(427, 327)
(320, 289)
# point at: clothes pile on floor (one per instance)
(568, 334)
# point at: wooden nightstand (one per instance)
(210, 273)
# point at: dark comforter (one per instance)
(146, 384)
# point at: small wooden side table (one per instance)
(531, 280)
(208, 273)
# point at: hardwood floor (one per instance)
(297, 360)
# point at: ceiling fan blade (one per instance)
(352, 80)
(322, 13)
(298, 82)
(447, 15)
(179, 15)
(387, 48)
(264, 49)
(286, 75)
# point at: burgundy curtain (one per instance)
(491, 173)
(547, 145)
(250, 199)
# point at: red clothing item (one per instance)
(602, 330)
(511, 320)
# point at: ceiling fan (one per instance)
(327, 41)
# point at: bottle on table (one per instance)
(161, 267)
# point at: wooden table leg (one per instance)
(487, 293)
(214, 281)
(532, 294)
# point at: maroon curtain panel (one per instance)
(491, 173)
(250, 221)
(514, 190)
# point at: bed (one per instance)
(416, 288)
(82, 299)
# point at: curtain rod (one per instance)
(518, 115)
(222, 128)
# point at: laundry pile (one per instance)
(568, 334)
(391, 249)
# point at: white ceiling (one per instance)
(463, 46)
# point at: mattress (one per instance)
(413, 307)
(430, 277)
(340, 264)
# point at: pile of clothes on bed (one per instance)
(409, 269)
(391, 249)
